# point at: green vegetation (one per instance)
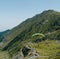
(4, 55)
(46, 22)
(47, 49)
(41, 32)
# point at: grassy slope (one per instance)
(48, 48)
(4, 55)
(45, 48)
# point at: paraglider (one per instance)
(38, 34)
(38, 37)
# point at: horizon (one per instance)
(13, 12)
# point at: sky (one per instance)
(13, 12)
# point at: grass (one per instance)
(48, 48)
(4, 55)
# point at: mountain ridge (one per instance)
(47, 22)
(28, 20)
(2, 34)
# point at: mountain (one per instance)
(3, 33)
(47, 23)
(6, 31)
(48, 18)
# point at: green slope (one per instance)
(48, 48)
(4, 55)
(47, 22)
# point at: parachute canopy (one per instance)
(38, 34)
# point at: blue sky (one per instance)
(13, 12)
